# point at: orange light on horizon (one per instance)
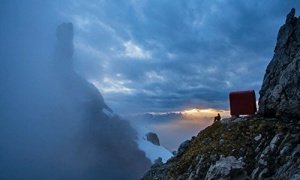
(205, 112)
(190, 111)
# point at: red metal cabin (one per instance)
(242, 103)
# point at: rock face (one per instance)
(280, 92)
(226, 168)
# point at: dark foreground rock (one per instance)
(153, 138)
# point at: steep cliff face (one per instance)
(280, 92)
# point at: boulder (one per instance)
(280, 92)
(226, 168)
(153, 138)
(183, 147)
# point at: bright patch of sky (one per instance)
(134, 51)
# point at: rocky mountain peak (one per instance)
(290, 16)
(280, 92)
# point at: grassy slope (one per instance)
(237, 140)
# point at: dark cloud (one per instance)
(171, 55)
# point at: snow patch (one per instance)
(152, 151)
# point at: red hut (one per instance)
(242, 103)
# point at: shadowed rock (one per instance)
(153, 138)
(280, 92)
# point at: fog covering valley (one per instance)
(52, 121)
(173, 128)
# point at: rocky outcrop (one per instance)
(280, 92)
(153, 138)
(279, 158)
(183, 146)
(226, 168)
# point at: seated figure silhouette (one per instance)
(217, 118)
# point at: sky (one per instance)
(161, 56)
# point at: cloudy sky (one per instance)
(157, 56)
(152, 55)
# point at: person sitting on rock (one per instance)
(217, 118)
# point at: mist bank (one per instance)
(176, 126)
(54, 124)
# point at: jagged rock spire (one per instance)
(290, 16)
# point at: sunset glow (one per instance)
(205, 112)
(190, 111)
